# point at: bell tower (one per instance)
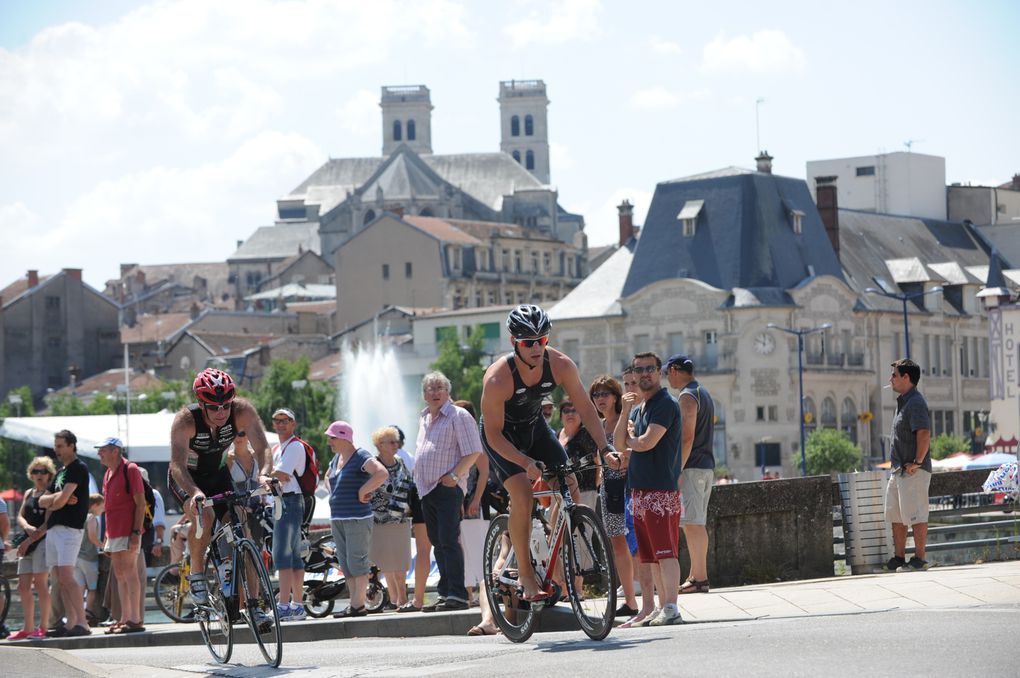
(524, 125)
(406, 118)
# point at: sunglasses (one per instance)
(568, 410)
(647, 369)
(218, 408)
(601, 394)
(40, 472)
(528, 343)
(281, 421)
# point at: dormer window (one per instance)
(688, 216)
(797, 220)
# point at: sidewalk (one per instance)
(942, 587)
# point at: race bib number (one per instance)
(192, 460)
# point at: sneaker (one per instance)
(199, 589)
(647, 621)
(915, 564)
(23, 634)
(894, 564)
(284, 612)
(297, 613)
(669, 616)
(38, 634)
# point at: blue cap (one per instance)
(680, 361)
(111, 441)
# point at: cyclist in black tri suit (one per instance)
(199, 439)
(515, 435)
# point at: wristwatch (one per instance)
(138, 532)
(456, 478)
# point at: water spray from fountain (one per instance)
(373, 394)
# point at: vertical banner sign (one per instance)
(996, 384)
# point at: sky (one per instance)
(162, 132)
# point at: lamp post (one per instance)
(800, 334)
(903, 299)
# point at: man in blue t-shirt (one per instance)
(653, 474)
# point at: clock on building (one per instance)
(764, 343)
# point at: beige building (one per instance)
(724, 254)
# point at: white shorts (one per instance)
(695, 491)
(86, 573)
(62, 546)
(34, 562)
(115, 544)
(906, 498)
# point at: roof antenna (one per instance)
(757, 127)
(909, 143)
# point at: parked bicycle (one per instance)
(239, 584)
(172, 590)
(325, 583)
(582, 564)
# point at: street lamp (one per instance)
(800, 334)
(903, 299)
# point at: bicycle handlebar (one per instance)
(238, 498)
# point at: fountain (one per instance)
(374, 393)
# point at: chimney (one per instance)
(239, 243)
(33, 279)
(626, 221)
(124, 268)
(828, 208)
(764, 162)
(73, 273)
(1016, 182)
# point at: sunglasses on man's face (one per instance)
(528, 343)
(647, 369)
(218, 408)
(281, 421)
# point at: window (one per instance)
(517, 156)
(866, 171)
(385, 271)
(642, 343)
(546, 262)
(572, 347)
(529, 160)
(767, 454)
(515, 128)
(426, 212)
(797, 221)
(529, 126)
(517, 261)
(410, 130)
(829, 413)
(810, 420)
(369, 216)
(760, 416)
(773, 413)
(534, 262)
(52, 303)
(688, 216)
(676, 342)
(711, 338)
(407, 269)
(396, 130)
(445, 333)
(506, 260)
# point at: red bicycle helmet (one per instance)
(214, 387)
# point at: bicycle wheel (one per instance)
(260, 610)
(376, 595)
(589, 559)
(323, 581)
(173, 595)
(213, 619)
(515, 617)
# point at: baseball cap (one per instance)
(547, 401)
(342, 430)
(284, 410)
(680, 361)
(111, 441)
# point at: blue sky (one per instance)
(161, 132)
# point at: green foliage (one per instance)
(462, 366)
(148, 401)
(14, 455)
(946, 444)
(314, 405)
(831, 451)
(721, 471)
(26, 408)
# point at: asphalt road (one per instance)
(977, 641)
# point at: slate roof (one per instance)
(1005, 238)
(404, 178)
(154, 328)
(279, 242)
(110, 380)
(307, 292)
(19, 287)
(743, 238)
(599, 294)
(226, 343)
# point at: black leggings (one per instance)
(536, 440)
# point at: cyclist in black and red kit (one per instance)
(515, 435)
(199, 439)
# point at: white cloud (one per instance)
(666, 47)
(766, 51)
(560, 157)
(603, 223)
(361, 114)
(660, 98)
(557, 23)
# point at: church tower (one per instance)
(406, 118)
(524, 128)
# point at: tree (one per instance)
(946, 444)
(462, 366)
(15, 455)
(831, 451)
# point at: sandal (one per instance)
(114, 628)
(694, 586)
(349, 612)
(130, 627)
(480, 631)
(408, 607)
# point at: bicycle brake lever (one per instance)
(199, 506)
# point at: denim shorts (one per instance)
(287, 534)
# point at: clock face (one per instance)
(764, 343)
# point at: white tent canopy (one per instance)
(147, 436)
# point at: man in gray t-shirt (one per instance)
(906, 497)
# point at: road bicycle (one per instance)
(172, 590)
(581, 564)
(238, 583)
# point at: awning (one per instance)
(147, 436)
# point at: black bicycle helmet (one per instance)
(528, 320)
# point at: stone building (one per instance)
(55, 328)
(724, 254)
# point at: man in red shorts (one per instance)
(652, 473)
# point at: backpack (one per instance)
(309, 479)
(150, 497)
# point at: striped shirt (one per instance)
(345, 482)
(442, 443)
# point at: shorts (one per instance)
(657, 524)
(353, 537)
(906, 498)
(62, 546)
(535, 440)
(118, 544)
(628, 523)
(34, 562)
(696, 490)
(86, 573)
(209, 485)
(287, 534)
(414, 501)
